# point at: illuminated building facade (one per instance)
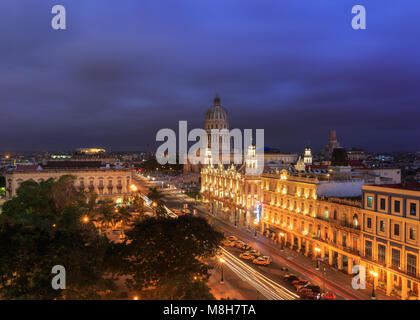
(232, 191)
(106, 182)
(327, 215)
(391, 226)
(297, 212)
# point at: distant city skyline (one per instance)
(296, 69)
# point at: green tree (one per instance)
(41, 227)
(164, 256)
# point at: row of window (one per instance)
(412, 206)
(412, 232)
(411, 262)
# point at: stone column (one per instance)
(299, 244)
(340, 261)
(349, 265)
(404, 293)
(307, 248)
(418, 291)
(388, 282)
(292, 240)
(330, 256)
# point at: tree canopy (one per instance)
(42, 227)
(53, 223)
(166, 256)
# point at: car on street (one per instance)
(227, 243)
(300, 283)
(232, 238)
(283, 268)
(264, 260)
(176, 211)
(290, 277)
(186, 211)
(328, 296)
(310, 291)
(247, 247)
(254, 253)
(240, 244)
(246, 256)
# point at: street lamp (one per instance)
(133, 188)
(85, 219)
(318, 250)
(282, 241)
(374, 275)
(255, 224)
(222, 261)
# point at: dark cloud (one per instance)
(124, 70)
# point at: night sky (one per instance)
(124, 69)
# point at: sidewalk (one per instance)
(335, 280)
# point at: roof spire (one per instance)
(217, 100)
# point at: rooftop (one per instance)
(403, 186)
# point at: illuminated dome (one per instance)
(216, 117)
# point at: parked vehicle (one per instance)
(186, 211)
(283, 268)
(239, 244)
(264, 260)
(311, 292)
(254, 252)
(300, 283)
(246, 256)
(328, 296)
(247, 247)
(232, 238)
(290, 277)
(227, 243)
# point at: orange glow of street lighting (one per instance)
(255, 221)
(135, 298)
(317, 249)
(85, 219)
(373, 273)
(133, 188)
(281, 234)
(222, 260)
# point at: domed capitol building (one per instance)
(217, 117)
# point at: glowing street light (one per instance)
(282, 240)
(222, 261)
(318, 250)
(133, 188)
(135, 298)
(255, 224)
(375, 276)
(85, 219)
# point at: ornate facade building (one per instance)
(391, 245)
(232, 191)
(297, 212)
(322, 214)
(106, 182)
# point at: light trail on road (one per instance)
(267, 287)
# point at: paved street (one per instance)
(296, 263)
